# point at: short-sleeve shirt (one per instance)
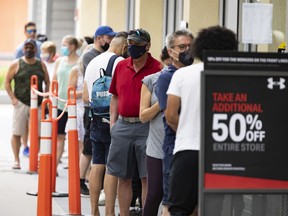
(186, 84)
(156, 130)
(161, 89)
(88, 57)
(126, 84)
(93, 69)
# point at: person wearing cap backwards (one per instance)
(102, 38)
(21, 71)
(128, 134)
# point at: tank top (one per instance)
(22, 80)
(63, 72)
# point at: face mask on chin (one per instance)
(29, 54)
(105, 47)
(136, 51)
(186, 58)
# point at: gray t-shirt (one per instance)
(156, 130)
(88, 57)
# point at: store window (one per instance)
(231, 17)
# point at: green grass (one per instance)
(3, 71)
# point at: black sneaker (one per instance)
(135, 212)
(84, 190)
(132, 212)
(138, 211)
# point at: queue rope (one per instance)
(50, 94)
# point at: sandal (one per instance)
(16, 165)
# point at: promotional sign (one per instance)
(246, 130)
(244, 121)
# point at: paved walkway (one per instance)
(15, 184)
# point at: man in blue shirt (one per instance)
(30, 32)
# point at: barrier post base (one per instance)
(58, 194)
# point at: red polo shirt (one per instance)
(126, 84)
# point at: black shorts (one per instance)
(62, 122)
(87, 149)
(183, 183)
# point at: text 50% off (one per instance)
(238, 128)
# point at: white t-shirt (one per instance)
(50, 68)
(185, 84)
(92, 71)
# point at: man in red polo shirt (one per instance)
(128, 134)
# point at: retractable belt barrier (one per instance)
(44, 202)
(73, 152)
(33, 154)
(48, 148)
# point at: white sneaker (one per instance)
(101, 198)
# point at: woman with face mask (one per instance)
(62, 70)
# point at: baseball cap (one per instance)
(104, 30)
(30, 41)
(139, 35)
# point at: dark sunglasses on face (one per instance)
(30, 31)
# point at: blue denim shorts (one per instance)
(100, 139)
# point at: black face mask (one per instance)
(186, 58)
(105, 47)
(136, 51)
(29, 54)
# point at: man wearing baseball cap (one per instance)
(128, 133)
(102, 38)
(21, 71)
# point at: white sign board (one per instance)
(257, 23)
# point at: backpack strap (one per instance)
(110, 65)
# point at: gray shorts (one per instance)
(127, 149)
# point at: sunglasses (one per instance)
(136, 32)
(30, 31)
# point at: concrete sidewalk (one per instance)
(14, 184)
(4, 98)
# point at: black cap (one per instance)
(139, 35)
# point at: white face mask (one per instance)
(45, 56)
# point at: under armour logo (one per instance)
(272, 83)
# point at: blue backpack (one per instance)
(100, 96)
